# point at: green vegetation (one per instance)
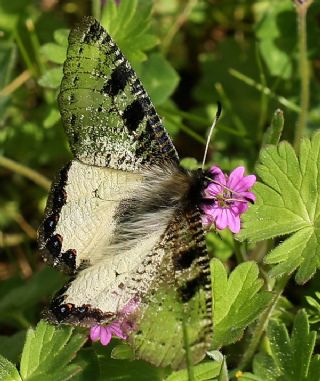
(260, 59)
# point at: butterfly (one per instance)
(122, 218)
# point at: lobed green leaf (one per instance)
(287, 203)
(237, 300)
(48, 351)
(8, 371)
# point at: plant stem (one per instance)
(266, 90)
(96, 9)
(25, 171)
(24, 54)
(263, 323)
(15, 84)
(181, 19)
(304, 72)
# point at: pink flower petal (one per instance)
(248, 196)
(213, 190)
(221, 219)
(95, 332)
(245, 183)
(233, 221)
(105, 336)
(218, 175)
(235, 176)
(131, 306)
(116, 330)
(239, 208)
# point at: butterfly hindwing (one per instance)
(178, 308)
(169, 275)
(108, 116)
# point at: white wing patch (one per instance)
(114, 281)
(86, 219)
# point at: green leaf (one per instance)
(221, 244)
(54, 52)
(128, 24)
(61, 37)
(8, 371)
(276, 46)
(264, 366)
(291, 357)
(122, 352)
(52, 118)
(11, 346)
(202, 372)
(287, 203)
(158, 77)
(237, 300)
(29, 293)
(51, 78)
(48, 351)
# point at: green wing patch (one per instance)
(107, 114)
(176, 322)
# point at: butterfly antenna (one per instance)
(215, 121)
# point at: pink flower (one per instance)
(226, 198)
(120, 327)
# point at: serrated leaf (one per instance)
(128, 23)
(287, 203)
(207, 371)
(237, 300)
(291, 356)
(48, 351)
(8, 371)
(51, 78)
(54, 52)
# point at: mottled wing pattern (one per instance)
(108, 116)
(177, 309)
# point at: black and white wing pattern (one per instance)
(118, 217)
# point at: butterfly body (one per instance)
(123, 216)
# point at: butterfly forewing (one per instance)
(107, 114)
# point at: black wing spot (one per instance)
(189, 289)
(117, 82)
(50, 224)
(133, 115)
(54, 245)
(73, 120)
(184, 259)
(69, 258)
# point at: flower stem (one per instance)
(262, 323)
(302, 9)
(25, 171)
